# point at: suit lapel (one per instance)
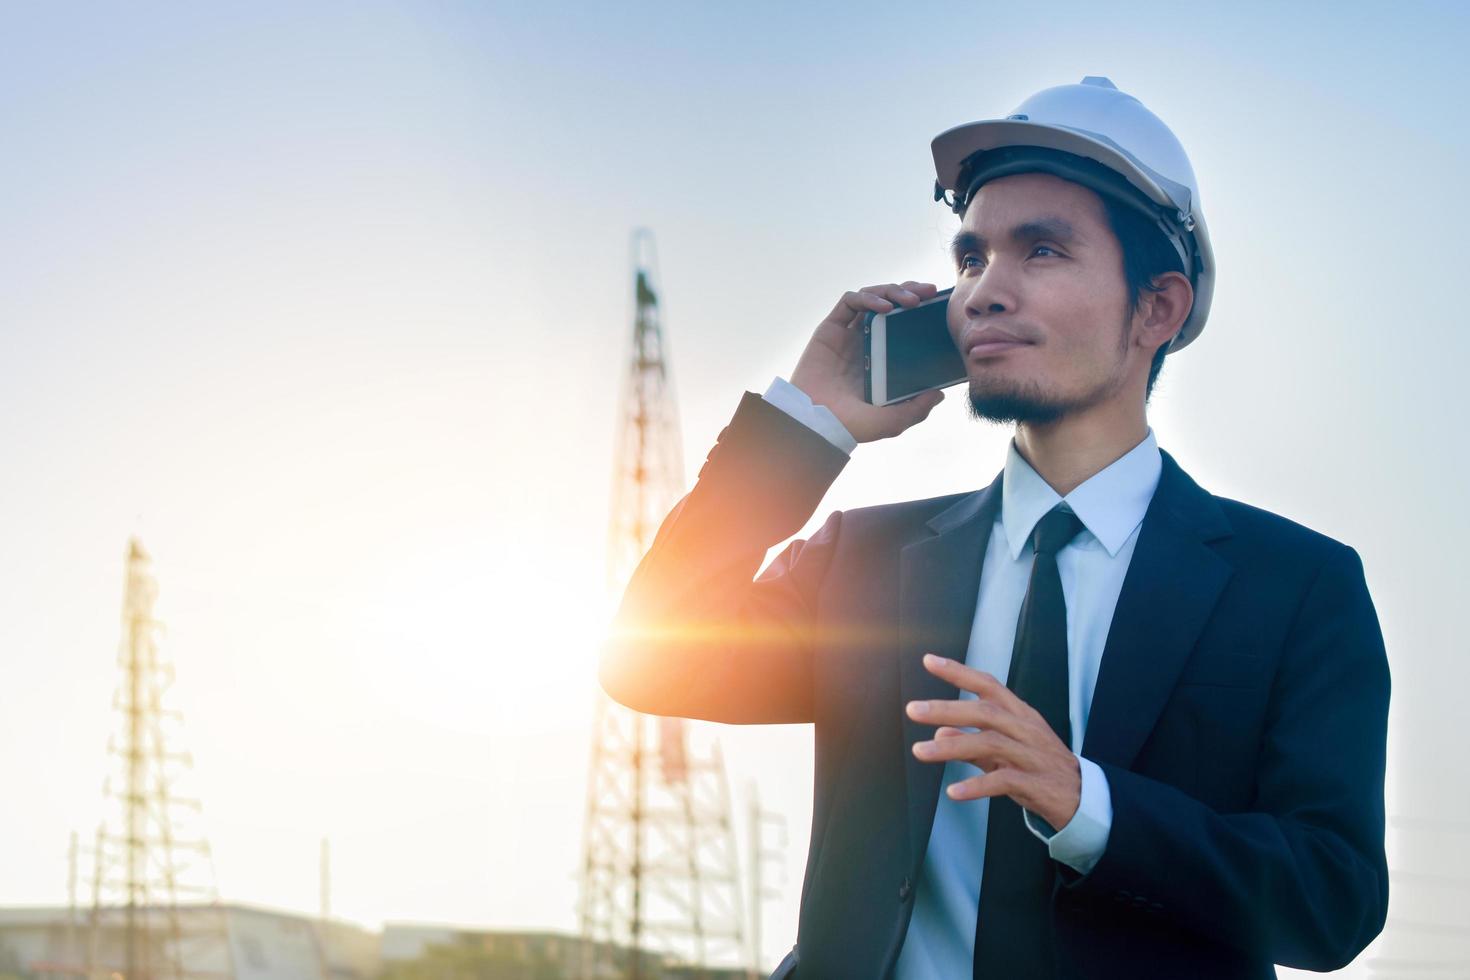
(1172, 583)
(939, 584)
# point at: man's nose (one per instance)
(993, 291)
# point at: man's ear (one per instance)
(1163, 312)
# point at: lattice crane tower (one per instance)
(146, 860)
(659, 868)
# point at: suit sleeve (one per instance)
(799, 405)
(697, 633)
(1301, 876)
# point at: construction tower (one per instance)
(660, 885)
(155, 912)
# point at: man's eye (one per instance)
(1047, 248)
(965, 261)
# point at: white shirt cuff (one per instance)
(1080, 844)
(798, 404)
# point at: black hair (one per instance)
(1147, 254)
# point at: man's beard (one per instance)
(1028, 404)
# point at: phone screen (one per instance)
(919, 351)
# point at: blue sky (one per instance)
(328, 302)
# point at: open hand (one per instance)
(1021, 755)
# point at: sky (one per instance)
(328, 304)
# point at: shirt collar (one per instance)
(1111, 503)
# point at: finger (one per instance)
(854, 305)
(1001, 782)
(922, 404)
(889, 292)
(895, 293)
(985, 749)
(970, 679)
(853, 308)
(910, 412)
(882, 298)
(924, 290)
(978, 714)
(949, 712)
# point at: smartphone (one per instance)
(909, 351)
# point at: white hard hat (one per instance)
(1100, 137)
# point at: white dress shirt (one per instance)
(1111, 504)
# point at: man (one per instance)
(1090, 721)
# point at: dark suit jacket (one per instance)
(1240, 712)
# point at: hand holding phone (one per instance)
(831, 369)
(909, 351)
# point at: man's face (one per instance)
(1036, 260)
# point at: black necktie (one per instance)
(1013, 928)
